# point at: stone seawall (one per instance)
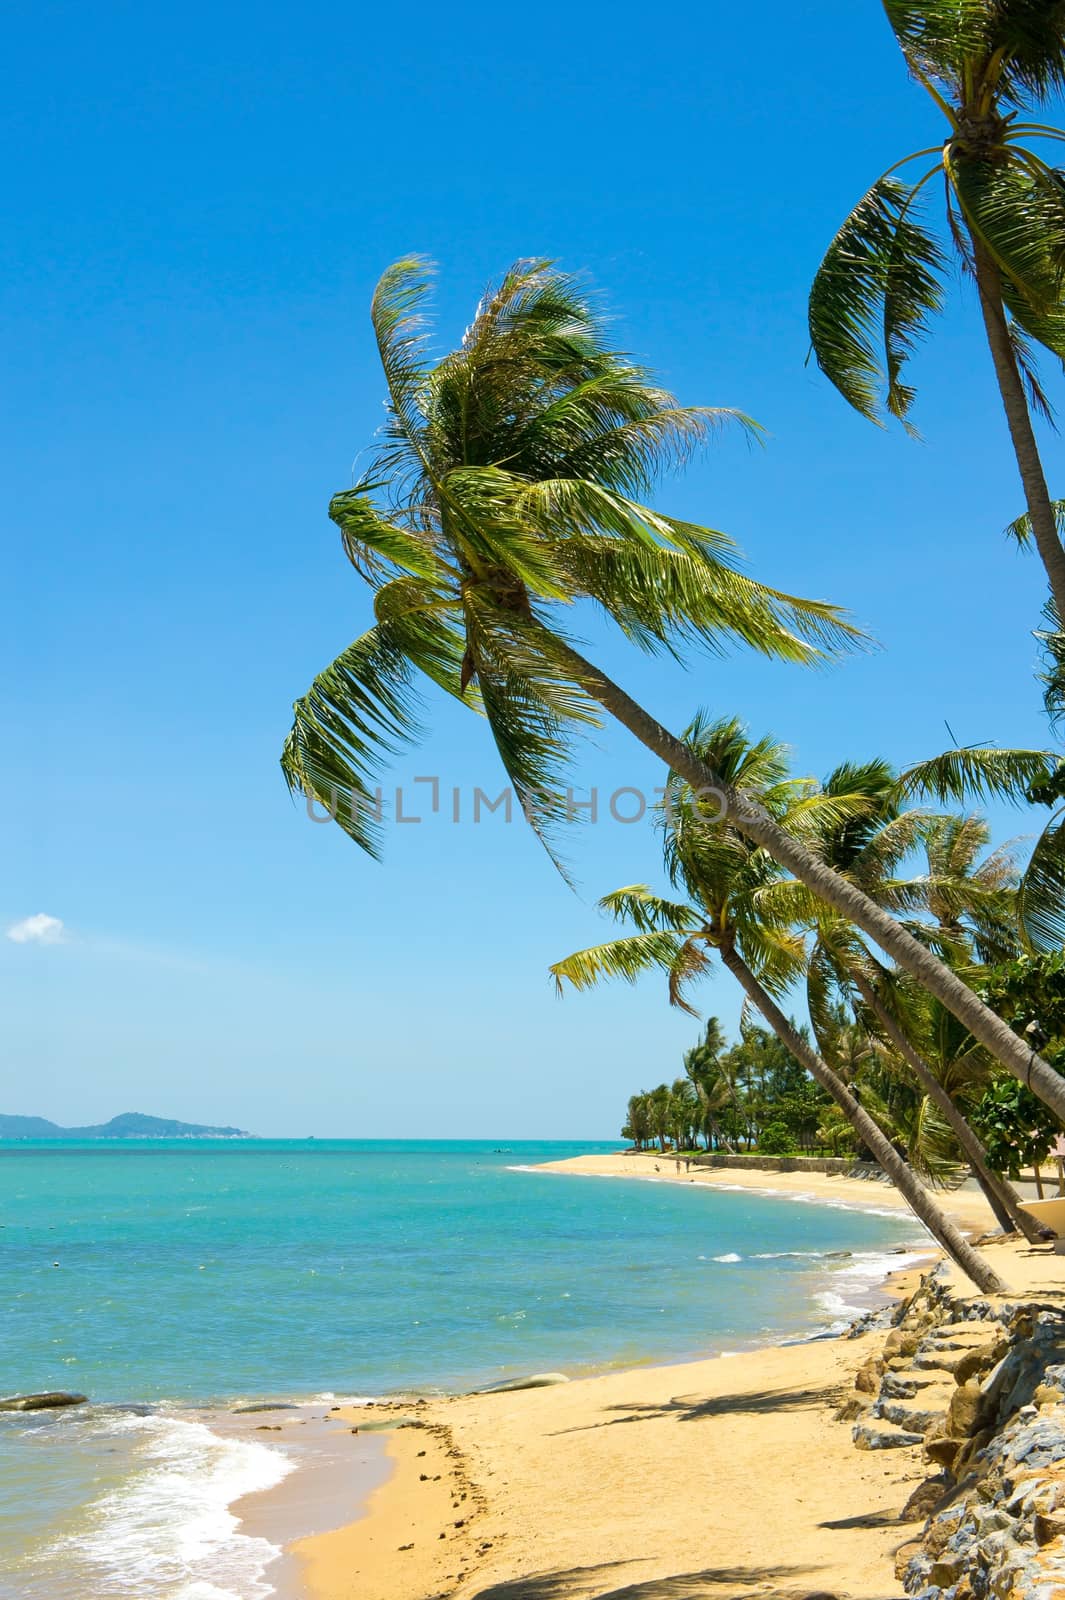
(977, 1386)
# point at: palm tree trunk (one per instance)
(1001, 1195)
(921, 1202)
(1018, 416)
(843, 896)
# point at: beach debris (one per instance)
(50, 1400)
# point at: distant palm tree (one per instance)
(510, 468)
(983, 62)
(730, 914)
(715, 1092)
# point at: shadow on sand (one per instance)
(695, 1408)
(715, 1583)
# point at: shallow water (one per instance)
(171, 1277)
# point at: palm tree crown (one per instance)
(511, 471)
(982, 62)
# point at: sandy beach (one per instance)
(967, 1205)
(717, 1478)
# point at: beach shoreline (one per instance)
(486, 1490)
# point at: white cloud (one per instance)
(38, 929)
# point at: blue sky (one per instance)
(200, 202)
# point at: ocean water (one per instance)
(172, 1282)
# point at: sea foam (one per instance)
(167, 1530)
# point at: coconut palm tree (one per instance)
(510, 470)
(972, 903)
(702, 1065)
(725, 876)
(985, 64)
(1022, 777)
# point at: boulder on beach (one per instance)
(539, 1380)
(52, 1400)
(264, 1405)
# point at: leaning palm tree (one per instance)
(984, 63)
(510, 470)
(972, 902)
(725, 877)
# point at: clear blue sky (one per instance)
(199, 200)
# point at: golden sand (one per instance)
(723, 1479)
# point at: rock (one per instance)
(877, 1435)
(1047, 1529)
(966, 1411)
(912, 1414)
(925, 1498)
(539, 1380)
(945, 1571)
(867, 1378)
(1048, 1394)
(970, 1449)
(904, 1555)
(850, 1410)
(263, 1405)
(975, 1363)
(52, 1400)
(905, 1383)
(943, 1450)
(899, 1343)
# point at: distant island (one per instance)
(129, 1125)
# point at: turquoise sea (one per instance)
(171, 1282)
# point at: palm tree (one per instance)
(1033, 777)
(726, 877)
(702, 1065)
(971, 902)
(984, 63)
(638, 1121)
(511, 467)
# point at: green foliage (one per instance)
(1031, 990)
(1028, 993)
(776, 1140)
(1016, 1127)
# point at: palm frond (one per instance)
(872, 299)
(690, 963)
(980, 773)
(660, 597)
(1020, 219)
(359, 710)
(1021, 528)
(649, 912)
(626, 958)
(376, 546)
(399, 325)
(937, 36)
(1042, 893)
(1028, 367)
(1030, 35)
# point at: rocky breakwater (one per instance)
(976, 1389)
